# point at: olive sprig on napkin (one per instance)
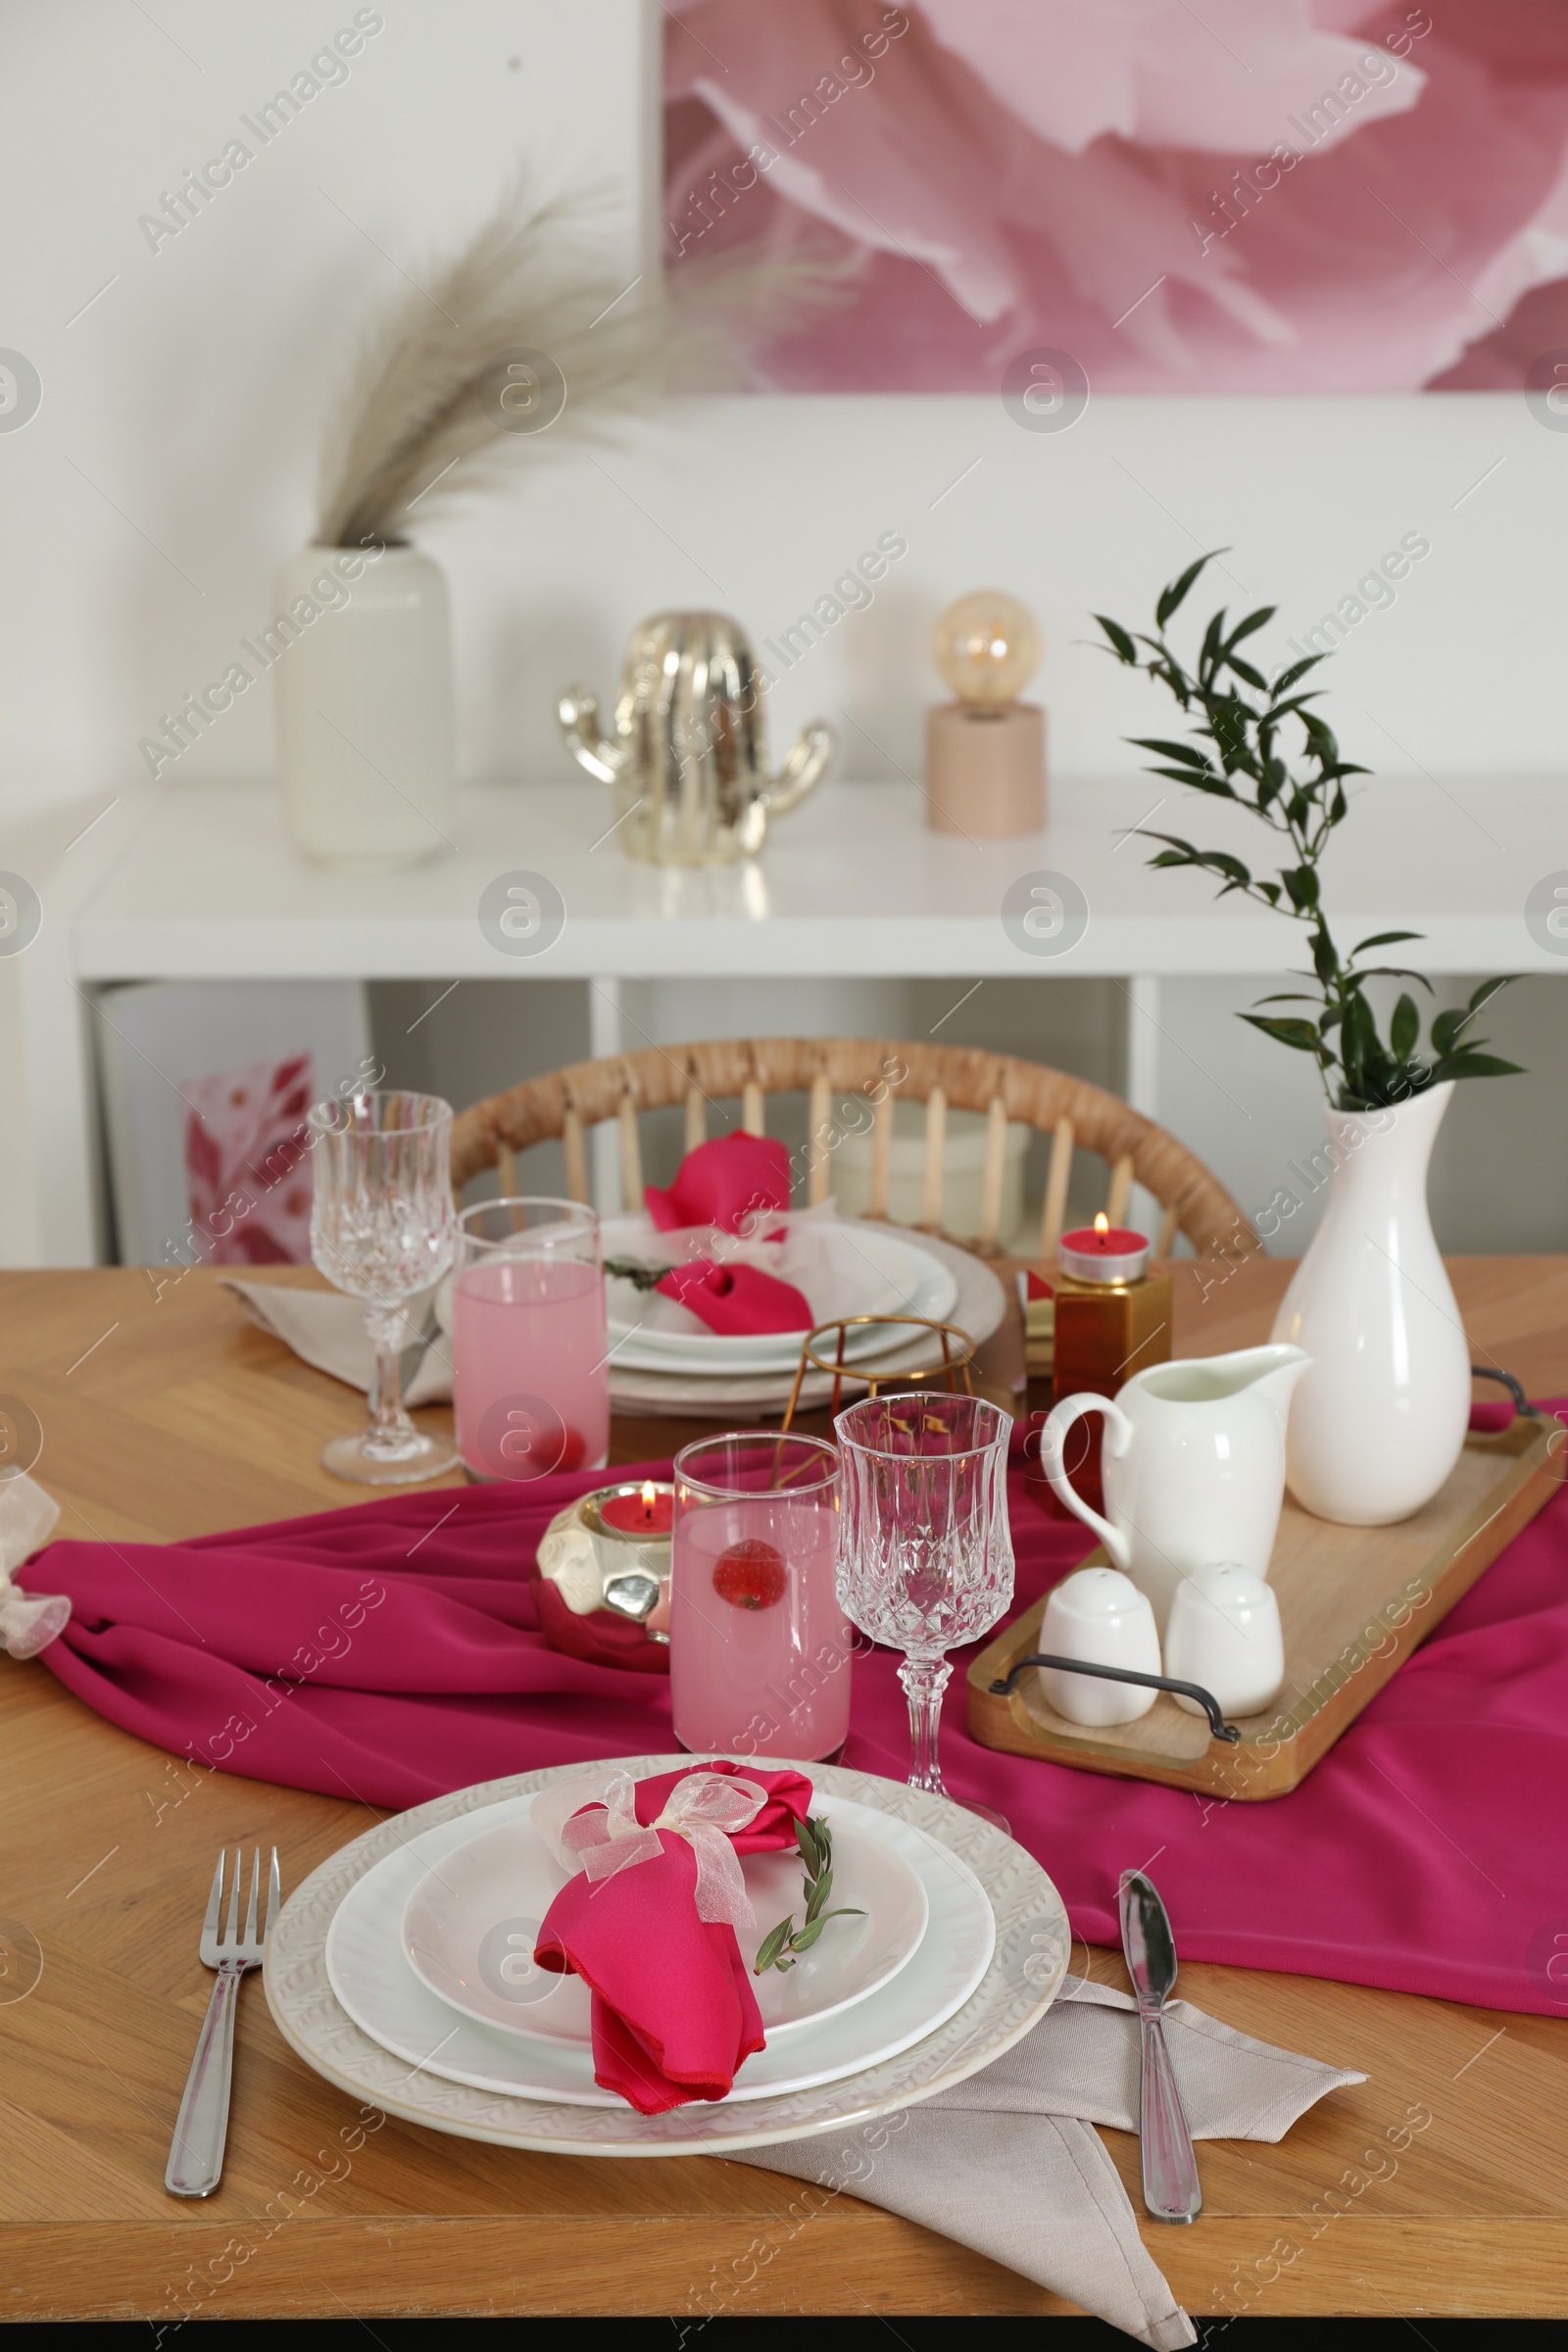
(784, 1946)
(634, 1270)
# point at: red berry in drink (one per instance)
(751, 1575)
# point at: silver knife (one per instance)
(1170, 2169)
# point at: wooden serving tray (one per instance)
(1354, 1602)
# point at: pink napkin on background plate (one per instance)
(389, 1651)
(673, 2011)
(737, 1301)
(730, 1183)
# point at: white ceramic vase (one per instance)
(360, 649)
(1377, 1424)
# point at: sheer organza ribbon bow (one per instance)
(28, 1621)
(590, 1823)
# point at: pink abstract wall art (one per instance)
(1237, 196)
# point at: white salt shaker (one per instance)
(1224, 1631)
(1100, 1615)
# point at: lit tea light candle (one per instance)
(1104, 1252)
(644, 1511)
(1113, 1319)
(609, 1552)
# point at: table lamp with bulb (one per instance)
(985, 753)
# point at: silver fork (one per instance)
(196, 2156)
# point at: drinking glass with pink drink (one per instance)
(530, 1372)
(759, 1650)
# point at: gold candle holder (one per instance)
(1113, 1315)
(595, 1564)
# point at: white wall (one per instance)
(168, 470)
(171, 464)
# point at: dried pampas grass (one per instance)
(419, 423)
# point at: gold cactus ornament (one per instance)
(688, 756)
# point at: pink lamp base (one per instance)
(984, 768)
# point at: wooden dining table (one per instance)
(164, 1413)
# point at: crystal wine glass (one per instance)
(382, 1227)
(925, 1552)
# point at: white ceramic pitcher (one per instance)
(1192, 1461)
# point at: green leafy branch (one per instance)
(783, 1947)
(1270, 753)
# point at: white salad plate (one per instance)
(848, 1268)
(1016, 1987)
(469, 1926)
(370, 1974)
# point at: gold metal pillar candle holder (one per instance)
(957, 1355)
(1113, 1315)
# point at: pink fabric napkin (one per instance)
(673, 2011)
(737, 1301)
(389, 1651)
(729, 1182)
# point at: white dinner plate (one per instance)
(1018, 1986)
(857, 1268)
(979, 1307)
(470, 1924)
(369, 1974)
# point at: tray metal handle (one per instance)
(1218, 1727)
(1521, 1403)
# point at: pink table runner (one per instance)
(388, 1652)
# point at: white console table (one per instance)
(194, 882)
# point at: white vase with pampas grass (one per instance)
(530, 335)
(364, 707)
(519, 334)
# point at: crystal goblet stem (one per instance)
(924, 1681)
(387, 1438)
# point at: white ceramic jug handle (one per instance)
(1052, 1453)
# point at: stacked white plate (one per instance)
(663, 1358)
(403, 1971)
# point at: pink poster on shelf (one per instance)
(1037, 197)
(248, 1163)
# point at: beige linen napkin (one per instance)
(326, 1329)
(28, 1621)
(1008, 2163)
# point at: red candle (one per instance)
(1105, 1240)
(648, 1512)
(1104, 1252)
